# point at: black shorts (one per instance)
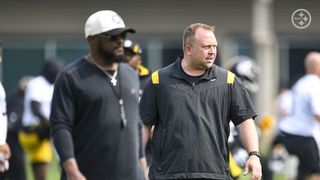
(305, 148)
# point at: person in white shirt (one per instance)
(35, 135)
(4, 148)
(296, 130)
(283, 103)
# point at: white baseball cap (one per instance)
(105, 21)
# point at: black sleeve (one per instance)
(35, 107)
(63, 104)
(62, 140)
(141, 146)
(62, 114)
(148, 107)
(241, 105)
(43, 129)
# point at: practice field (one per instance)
(54, 172)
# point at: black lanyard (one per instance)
(120, 100)
(118, 95)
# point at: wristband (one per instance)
(255, 153)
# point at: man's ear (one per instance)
(188, 49)
(92, 40)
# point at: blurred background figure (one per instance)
(297, 129)
(283, 102)
(133, 57)
(35, 135)
(14, 111)
(4, 148)
(279, 158)
(247, 71)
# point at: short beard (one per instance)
(109, 57)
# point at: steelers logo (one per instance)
(117, 19)
(301, 18)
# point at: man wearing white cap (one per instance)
(94, 116)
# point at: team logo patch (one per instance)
(301, 18)
(116, 19)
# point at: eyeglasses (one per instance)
(114, 37)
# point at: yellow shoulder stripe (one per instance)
(143, 71)
(230, 77)
(155, 77)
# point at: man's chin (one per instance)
(205, 66)
(113, 58)
(208, 65)
(119, 58)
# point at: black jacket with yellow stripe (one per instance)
(192, 121)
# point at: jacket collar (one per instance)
(179, 74)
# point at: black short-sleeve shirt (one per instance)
(192, 121)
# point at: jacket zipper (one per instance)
(193, 85)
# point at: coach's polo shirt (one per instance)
(192, 121)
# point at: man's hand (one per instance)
(4, 166)
(76, 175)
(5, 150)
(4, 157)
(143, 163)
(253, 164)
(249, 139)
(72, 170)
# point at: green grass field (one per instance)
(54, 172)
